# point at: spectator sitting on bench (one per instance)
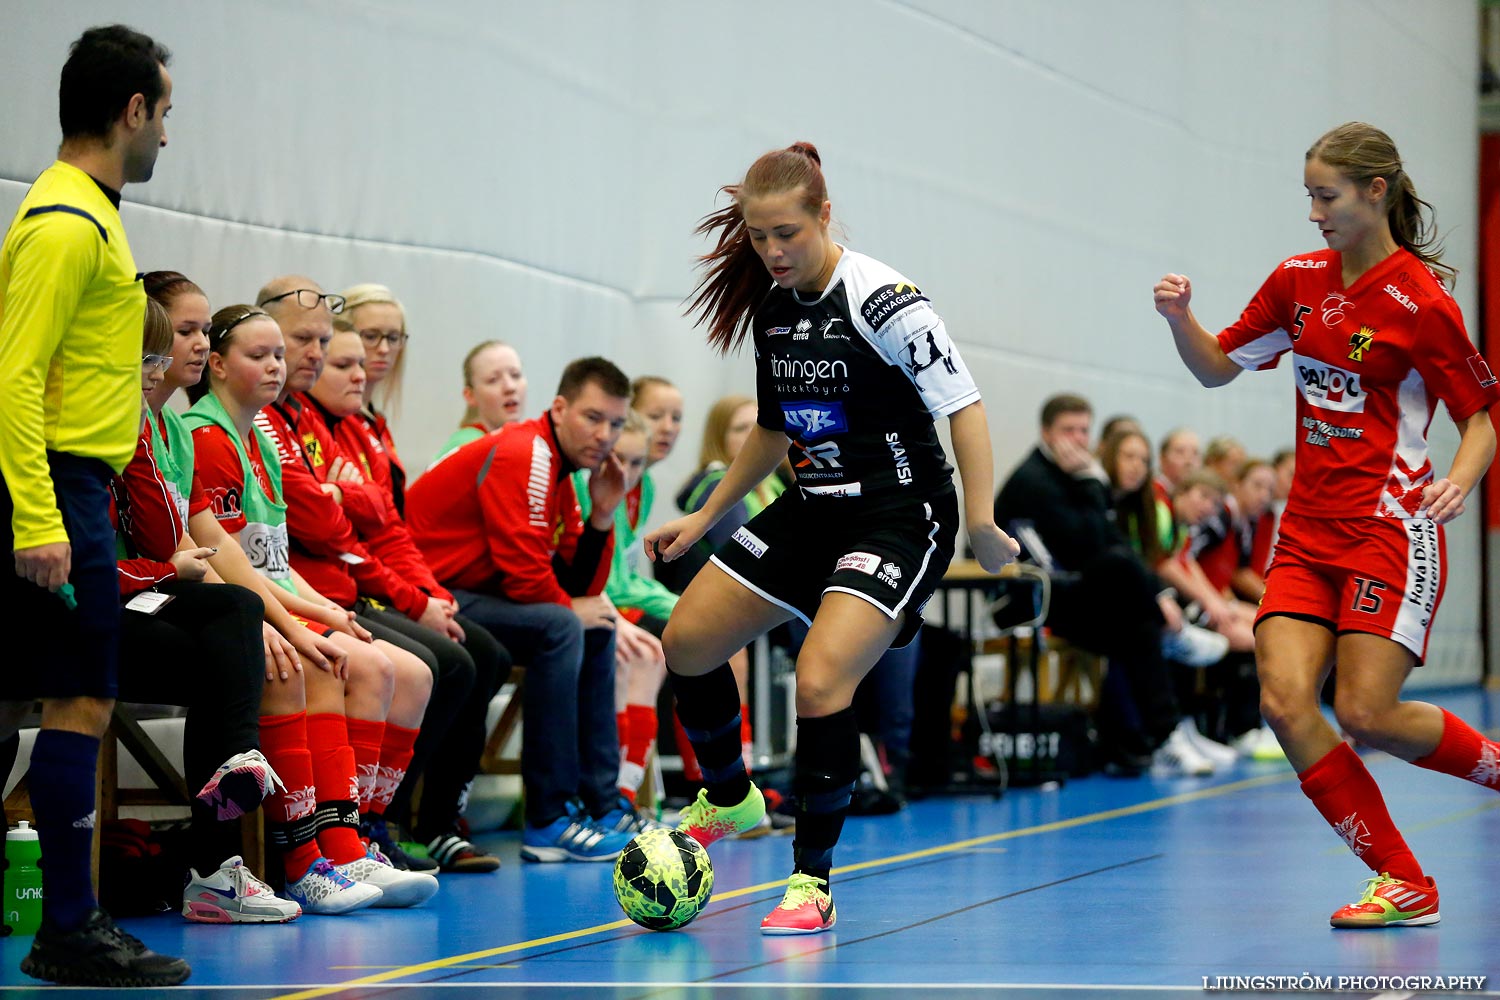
(1109, 602)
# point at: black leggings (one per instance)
(203, 650)
(465, 678)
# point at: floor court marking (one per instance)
(779, 985)
(470, 958)
(835, 945)
(636, 932)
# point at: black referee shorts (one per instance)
(75, 652)
(797, 550)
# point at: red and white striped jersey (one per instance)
(1370, 363)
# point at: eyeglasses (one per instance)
(372, 339)
(156, 363)
(309, 298)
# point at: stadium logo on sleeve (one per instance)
(888, 300)
(1481, 370)
(810, 420)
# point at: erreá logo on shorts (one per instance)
(1329, 387)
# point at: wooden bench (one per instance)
(170, 789)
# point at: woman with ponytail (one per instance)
(852, 367)
(1359, 566)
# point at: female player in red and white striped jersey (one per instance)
(1376, 342)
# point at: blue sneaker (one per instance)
(572, 837)
(626, 818)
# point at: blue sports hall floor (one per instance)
(1114, 888)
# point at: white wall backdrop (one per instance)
(533, 172)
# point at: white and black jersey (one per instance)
(855, 378)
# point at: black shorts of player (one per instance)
(797, 550)
(75, 651)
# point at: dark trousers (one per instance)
(570, 745)
(446, 754)
(204, 651)
(79, 651)
(1110, 609)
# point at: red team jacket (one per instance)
(323, 531)
(385, 464)
(499, 516)
(1370, 363)
(151, 525)
(392, 544)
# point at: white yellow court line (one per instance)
(960, 845)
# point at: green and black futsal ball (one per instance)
(663, 879)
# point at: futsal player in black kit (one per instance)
(852, 366)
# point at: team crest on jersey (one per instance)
(1361, 342)
(810, 420)
(1334, 307)
(313, 449)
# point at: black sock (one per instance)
(62, 796)
(709, 707)
(826, 768)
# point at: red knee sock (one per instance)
(289, 813)
(747, 739)
(365, 738)
(637, 736)
(395, 758)
(1464, 752)
(1343, 791)
(690, 769)
(338, 788)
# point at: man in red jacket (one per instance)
(500, 525)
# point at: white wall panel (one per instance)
(534, 171)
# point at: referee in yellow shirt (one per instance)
(71, 312)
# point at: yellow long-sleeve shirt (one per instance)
(71, 311)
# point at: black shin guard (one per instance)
(826, 768)
(709, 707)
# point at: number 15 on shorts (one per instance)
(1367, 596)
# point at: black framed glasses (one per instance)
(372, 338)
(308, 298)
(156, 362)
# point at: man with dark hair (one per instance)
(1106, 600)
(501, 528)
(71, 314)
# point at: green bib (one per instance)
(264, 537)
(174, 456)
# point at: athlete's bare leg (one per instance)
(1368, 701)
(1293, 658)
(716, 617)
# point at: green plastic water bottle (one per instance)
(23, 880)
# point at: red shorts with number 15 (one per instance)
(1368, 574)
